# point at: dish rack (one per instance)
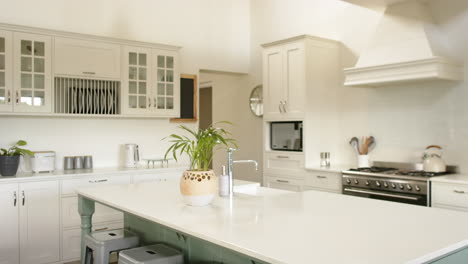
(86, 96)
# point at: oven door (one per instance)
(386, 196)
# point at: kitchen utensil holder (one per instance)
(363, 161)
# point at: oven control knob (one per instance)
(385, 184)
(417, 188)
(409, 187)
(356, 181)
(367, 183)
(401, 186)
(348, 181)
(377, 183)
(393, 186)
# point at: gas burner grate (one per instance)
(373, 169)
(421, 173)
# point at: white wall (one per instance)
(214, 34)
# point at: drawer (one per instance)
(450, 195)
(71, 218)
(69, 187)
(160, 176)
(71, 240)
(284, 164)
(284, 183)
(325, 181)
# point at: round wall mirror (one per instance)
(256, 100)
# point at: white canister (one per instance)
(363, 161)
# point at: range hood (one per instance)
(407, 47)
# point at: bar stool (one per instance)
(154, 254)
(105, 242)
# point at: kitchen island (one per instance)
(264, 225)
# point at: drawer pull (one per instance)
(458, 191)
(101, 229)
(321, 177)
(282, 157)
(97, 181)
(282, 181)
(88, 72)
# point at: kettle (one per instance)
(432, 159)
(132, 155)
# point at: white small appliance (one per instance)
(432, 160)
(132, 155)
(43, 161)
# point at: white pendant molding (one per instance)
(432, 69)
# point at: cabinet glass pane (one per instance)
(2, 79)
(142, 59)
(141, 73)
(26, 80)
(132, 101)
(26, 97)
(38, 65)
(161, 89)
(2, 62)
(2, 44)
(2, 96)
(160, 102)
(38, 98)
(132, 58)
(169, 89)
(38, 48)
(26, 47)
(169, 103)
(170, 62)
(142, 101)
(26, 64)
(39, 81)
(161, 62)
(132, 73)
(161, 76)
(132, 87)
(142, 87)
(169, 76)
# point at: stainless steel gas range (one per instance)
(390, 181)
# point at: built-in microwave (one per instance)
(286, 135)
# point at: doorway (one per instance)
(206, 107)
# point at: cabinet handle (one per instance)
(17, 97)
(97, 181)
(101, 229)
(9, 97)
(282, 157)
(458, 191)
(284, 106)
(14, 198)
(321, 177)
(282, 181)
(23, 197)
(279, 107)
(149, 102)
(90, 73)
(154, 102)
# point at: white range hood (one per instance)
(407, 47)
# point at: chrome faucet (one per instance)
(230, 167)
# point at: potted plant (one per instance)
(198, 185)
(9, 158)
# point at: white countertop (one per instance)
(332, 168)
(307, 227)
(452, 178)
(62, 174)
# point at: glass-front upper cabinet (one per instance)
(6, 65)
(32, 73)
(166, 88)
(137, 96)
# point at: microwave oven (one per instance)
(286, 136)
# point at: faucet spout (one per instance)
(230, 165)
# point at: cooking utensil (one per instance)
(354, 142)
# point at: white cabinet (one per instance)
(32, 73)
(83, 58)
(284, 163)
(449, 195)
(9, 242)
(284, 80)
(39, 222)
(283, 183)
(166, 83)
(323, 181)
(6, 71)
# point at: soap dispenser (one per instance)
(223, 183)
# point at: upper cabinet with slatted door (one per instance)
(6, 71)
(166, 83)
(32, 72)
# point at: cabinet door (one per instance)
(273, 81)
(9, 243)
(137, 80)
(294, 79)
(284, 183)
(166, 84)
(6, 73)
(32, 73)
(39, 222)
(323, 181)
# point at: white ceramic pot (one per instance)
(363, 161)
(198, 188)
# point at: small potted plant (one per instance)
(198, 185)
(9, 158)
